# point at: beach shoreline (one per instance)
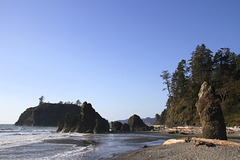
(182, 150)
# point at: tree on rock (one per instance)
(41, 99)
(78, 102)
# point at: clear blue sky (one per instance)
(107, 52)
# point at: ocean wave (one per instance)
(72, 154)
(25, 137)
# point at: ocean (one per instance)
(20, 142)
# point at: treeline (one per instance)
(221, 70)
(78, 102)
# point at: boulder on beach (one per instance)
(46, 114)
(137, 124)
(211, 116)
(88, 121)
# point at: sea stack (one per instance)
(88, 121)
(211, 116)
(137, 124)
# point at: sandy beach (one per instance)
(184, 151)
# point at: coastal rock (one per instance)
(46, 114)
(88, 121)
(211, 116)
(137, 124)
(125, 128)
(116, 126)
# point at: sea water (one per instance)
(20, 142)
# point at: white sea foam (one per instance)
(45, 143)
(12, 136)
(77, 152)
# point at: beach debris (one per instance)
(211, 116)
(205, 143)
(201, 141)
(173, 141)
(184, 130)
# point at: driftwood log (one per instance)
(217, 142)
(173, 141)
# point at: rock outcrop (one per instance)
(46, 114)
(117, 126)
(211, 116)
(137, 124)
(125, 127)
(88, 121)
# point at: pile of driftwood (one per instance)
(188, 130)
(210, 142)
(203, 141)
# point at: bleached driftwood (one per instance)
(217, 142)
(173, 141)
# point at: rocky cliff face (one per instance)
(88, 121)
(211, 116)
(46, 114)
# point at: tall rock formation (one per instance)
(210, 113)
(46, 114)
(88, 121)
(137, 124)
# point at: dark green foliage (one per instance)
(160, 120)
(221, 70)
(166, 76)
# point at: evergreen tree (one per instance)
(78, 102)
(201, 65)
(41, 100)
(179, 80)
(221, 70)
(166, 76)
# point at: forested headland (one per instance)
(221, 70)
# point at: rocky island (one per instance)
(47, 114)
